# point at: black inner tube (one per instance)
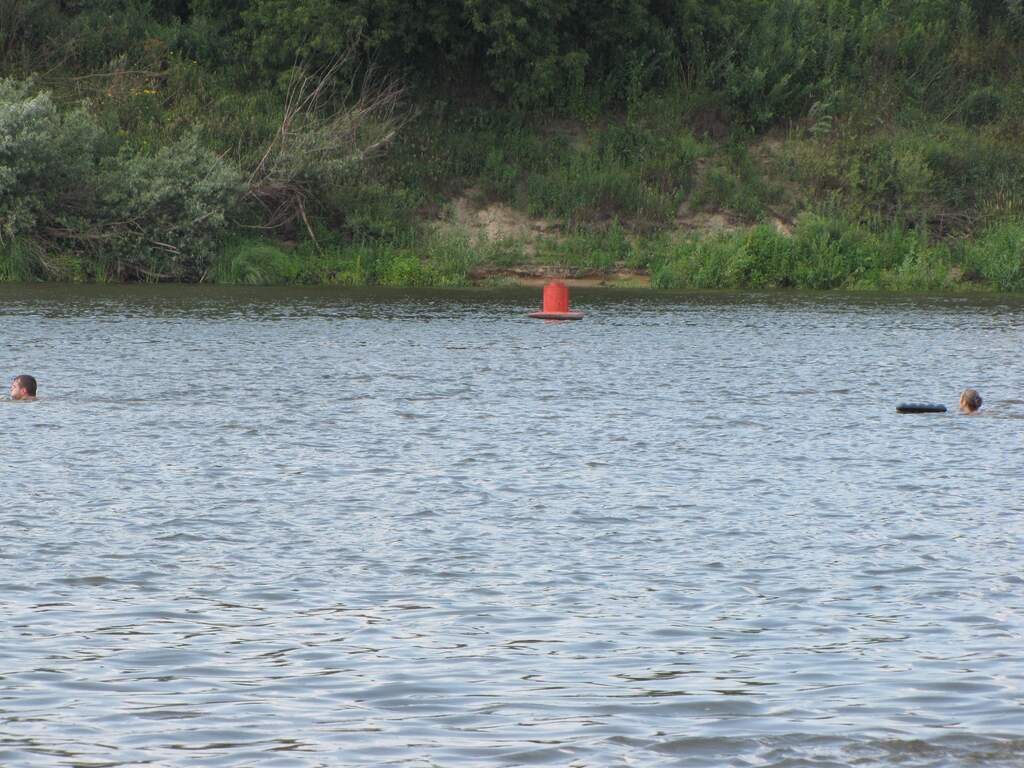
(920, 408)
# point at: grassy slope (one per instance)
(867, 192)
(908, 203)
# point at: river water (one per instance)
(322, 528)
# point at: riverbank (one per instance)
(631, 200)
(172, 150)
(815, 253)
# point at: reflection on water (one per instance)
(307, 528)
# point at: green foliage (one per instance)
(902, 124)
(546, 52)
(622, 171)
(114, 34)
(735, 183)
(432, 261)
(830, 254)
(764, 259)
(665, 160)
(770, 60)
(449, 149)
(254, 262)
(601, 249)
(173, 204)
(46, 158)
(982, 106)
(998, 257)
(154, 215)
(943, 179)
(369, 211)
(695, 263)
(822, 254)
(773, 72)
(19, 261)
(437, 263)
(585, 188)
(26, 27)
(500, 174)
(922, 268)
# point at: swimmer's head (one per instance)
(970, 401)
(23, 387)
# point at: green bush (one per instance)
(829, 253)
(762, 259)
(772, 73)
(451, 258)
(171, 208)
(586, 187)
(666, 160)
(153, 216)
(821, 254)
(404, 270)
(19, 261)
(982, 106)
(541, 53)
(367, 211)
(672, 167)
(27, 28)
(125, 34)
(47, 160)
(735, 183)
(922, 268)
(997, 256)
(254, 262)
(500, 176)
(943, 179)
(604, 249)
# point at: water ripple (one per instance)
(417, 529)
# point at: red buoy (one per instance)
(556, 303)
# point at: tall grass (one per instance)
(19, 261)
(997, 257)
(821, 254)
(432, 261)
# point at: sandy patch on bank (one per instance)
(481, 223)
(539, 275)
(494, 222)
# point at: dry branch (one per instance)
(317, 140)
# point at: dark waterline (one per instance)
(307, 527)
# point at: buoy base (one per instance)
(557, 315)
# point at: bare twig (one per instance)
(315, 140)
(166, 247)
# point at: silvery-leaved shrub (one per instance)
(47, 160)
(171, 207)
(66, 189)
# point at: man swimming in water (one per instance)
(970, 401)
(23, 388)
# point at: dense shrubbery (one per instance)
(168, 208)
(168, 134)
(43, 153)
(771, 58)
(67, 190)
(81, 199)
(946, 180)
(998, 257)
(821, 254)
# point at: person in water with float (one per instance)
(970, 401)
(23, 388)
